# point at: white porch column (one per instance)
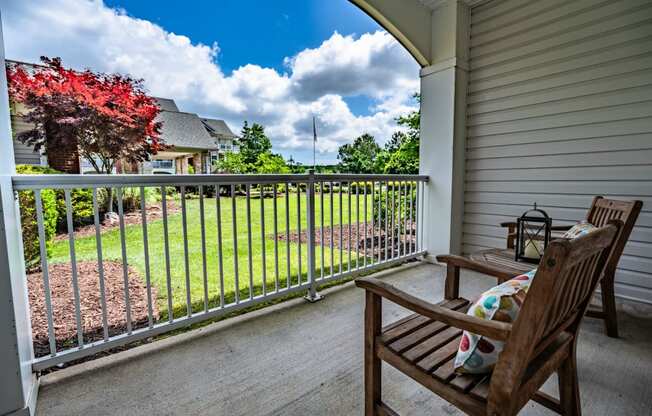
(443, 128)
(18, 385)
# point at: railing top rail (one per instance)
(22, 182)
(369, 177)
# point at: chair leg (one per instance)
(452, 285)
(609, 306)
(569, 392)
(372, 367)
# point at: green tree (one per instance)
(295, 167)
(253, 142)
(405, 158)
(413, 119)
(359, 156)
(271, 163)
(232, 163)
(401, 153)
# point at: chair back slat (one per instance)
(557, 300)
(604, 210)
(575, 287)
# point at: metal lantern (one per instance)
(533, 230)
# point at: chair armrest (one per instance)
(466, 263)
(492, 329)
(561, 227)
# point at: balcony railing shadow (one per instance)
(297, 358)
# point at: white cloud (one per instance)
(90, 34)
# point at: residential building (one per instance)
(195, 143)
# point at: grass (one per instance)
(86, 249)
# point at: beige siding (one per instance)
(24, 155)
(560, 110)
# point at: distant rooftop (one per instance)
(188, 130)
(166, 104)
(185, 130)
(218, 128)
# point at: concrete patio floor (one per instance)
(306, 359)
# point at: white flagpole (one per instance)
(314, 143)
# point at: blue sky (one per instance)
(288, 26)
(275, 62)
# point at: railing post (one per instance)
(19, 387)
(312, 295)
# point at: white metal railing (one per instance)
(385, 210)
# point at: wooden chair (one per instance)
(500, 263)
(541, 341)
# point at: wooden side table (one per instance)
(502, 259)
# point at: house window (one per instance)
(86, 167)
(163, 164)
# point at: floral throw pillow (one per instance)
(579, 229)
(477, 354)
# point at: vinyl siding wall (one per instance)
(560, 110)
(24, 155)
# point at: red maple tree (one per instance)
(108, 116)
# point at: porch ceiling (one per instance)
(297, 359)
(410, 22)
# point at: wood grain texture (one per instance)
(500, 263)
(540, 342)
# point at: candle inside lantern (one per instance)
(532, 249)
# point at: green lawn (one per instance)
(85, 248)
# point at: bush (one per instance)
(131, 197)
(82, 207)
(401, 199)
(81, 199)
(29, 224)
(35, 170)
(355, 186)
(156, 196)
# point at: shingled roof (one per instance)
(218, 128)
(185, 130)
(188, 130)
(166, 104)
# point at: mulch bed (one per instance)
(154, 212)
(357, 239)
(63, 304)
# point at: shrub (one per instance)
(81, 199)
(29, 224)
(401, 199)
(82, 207)
(131, 197)
(355, 186)
(35, 170)
(170, 193)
